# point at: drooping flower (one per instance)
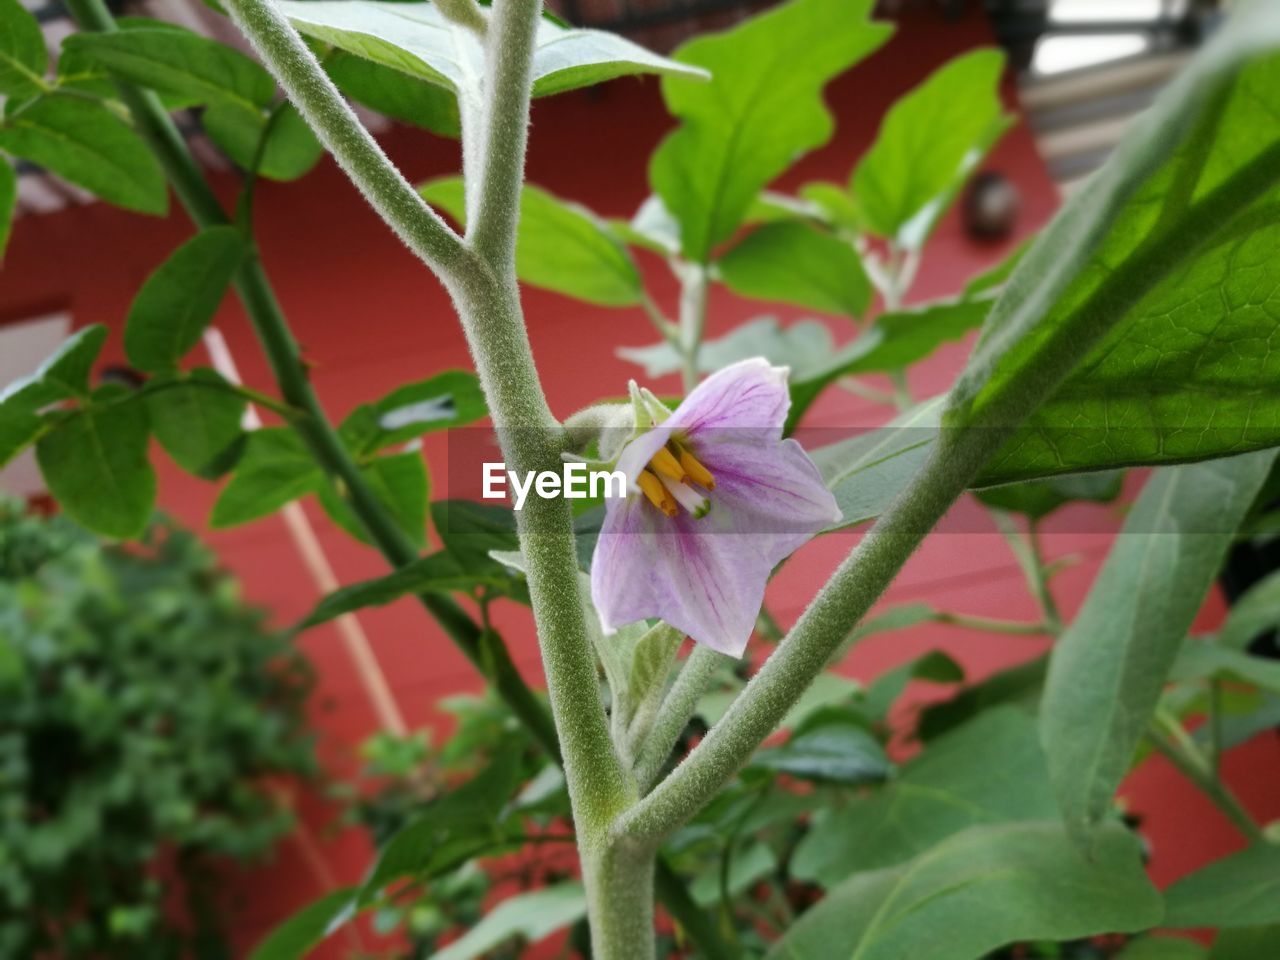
(717, 499)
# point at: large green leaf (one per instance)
(1109, 668)
(929, 142)
(560, 246)
(176, 61)
(95, 463)
(449, 399)
(23, 56)
(415, 38)
(274, 469)
(18, 428)
(794, 263)
(295, 937)
(197, 418)
(979, 890)
(529, 916)
(85, 143)
(179, 299)
(64, 373)
(1242, 890)
(1163, 270)
(394, 94)
(289, 151)
(762, 109)
(991, 770)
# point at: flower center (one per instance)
(668, 481)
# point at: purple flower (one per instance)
(717, 499)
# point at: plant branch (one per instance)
(673, 716)
(1196, 769)
(345, 137)
(693, 318)
(954, 464)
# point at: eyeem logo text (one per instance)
(576, 483)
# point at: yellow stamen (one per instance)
(696, 471)
(652, 488)
(667, 465)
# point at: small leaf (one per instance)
(841, 753)
(793, 263)
(291, 150)
(761, 111)
(1253, 614)
(415, 38)
(63, 375)
(977, 891)
(197, 419)
(930, 140)
(86, 144)
(274, 469)
(95, 463)
(435, 573)
(1109, 668)
(401, 483)
(560, 246)
(1039, 498)
(1203, 658)
(294, 938)
(179, 299)
(529, 916)
(23, 55)
(1242, 890)
(394, 94)
(179, 62)
(449, 399)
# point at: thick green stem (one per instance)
(619, 878)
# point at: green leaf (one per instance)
(1109, 668)
(180, 298)
(294, 939)
(929, 142)
(471, 532)
(179, 62)
(449, 399)
(401, 483)
(838, 752)
(415, 38)
(979, 890)
(1201, 659)
(274, 469)
(8, 201)
(529, 916)
(291, 150)
(935, 667)
(1039, 498)
(95, 463)
(1242, 890)
(1247, 943)
(18, 428)
(394, 94)
(23, 56)
(653, 228)
(64, 373)
(84, 143)
(1164, 267)
(1253, 614)
(761, 111)
(435, 573)
(991, 770)
(197, 419)
(1018, 687)
(560, 246)
(452, 829)
(793, 263)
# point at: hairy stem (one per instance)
(691, 683)
(1200, 772)
(693, 318)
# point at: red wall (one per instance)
(370, 316)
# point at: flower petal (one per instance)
(751, 394)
